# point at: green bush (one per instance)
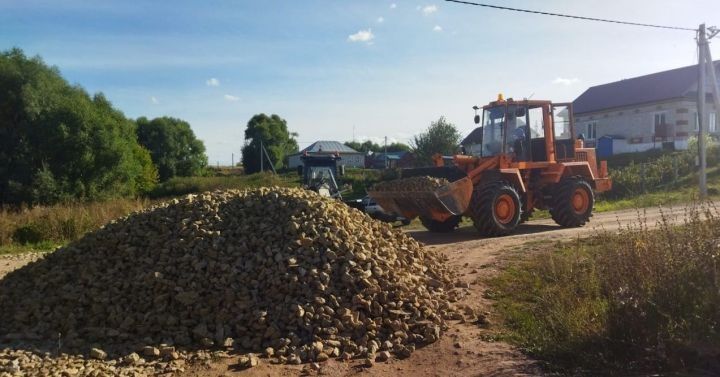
(27, 234)
(662, 172)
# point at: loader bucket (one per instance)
(440, 204)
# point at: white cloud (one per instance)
(566, 81)
(362, 36)
(212, 82)
(231, 98)
(380, 20)
(154, 100)
(428, 9)
(393, 6)
(437, 28)
(378, 140)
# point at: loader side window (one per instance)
(537, 131)
(493, 131)
(564, 143)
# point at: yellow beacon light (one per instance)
(500, 97)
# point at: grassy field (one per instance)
(644, 300)
(44, 228)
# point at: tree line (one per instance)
(271, 132)
(59, 143)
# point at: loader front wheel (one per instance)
(441, 226)
(572, 203)
(496, 209)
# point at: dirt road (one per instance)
(467, 349)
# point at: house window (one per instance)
(660, 122)
(711, 124)
(696, 123)
(591, 131)
(660, 119)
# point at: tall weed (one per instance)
(643, 297)
(61, 223)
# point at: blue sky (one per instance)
(380, 68)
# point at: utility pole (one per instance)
(272, 167)
(261, 157)
(705, 66)
(702, 43)
(232, 160)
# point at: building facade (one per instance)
(642, 113)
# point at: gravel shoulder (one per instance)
(467, 349)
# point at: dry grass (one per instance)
(641, 299)
(61, 223)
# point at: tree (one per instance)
(441, 137)
(272, 133)
(173, 146)
(57, 142)
(369, 146)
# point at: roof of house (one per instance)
(649, 88)
(473, 138)
(329, 147)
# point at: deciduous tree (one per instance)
(57, 142)
(173, 146)
(441, 137)
(272, 133)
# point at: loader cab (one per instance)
(526, 130)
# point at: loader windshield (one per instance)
(493, 128)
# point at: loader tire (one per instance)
(496, 209)
(573, 203)
(436, 226)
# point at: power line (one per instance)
(571, 16)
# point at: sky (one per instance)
(343, 69)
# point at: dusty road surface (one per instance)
(467, 349)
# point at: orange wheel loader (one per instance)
(528, 157)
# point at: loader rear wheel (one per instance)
(496, 209)
(441, 226)
(572, 203)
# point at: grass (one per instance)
(43, 228)
(641, 299)
(39, 247)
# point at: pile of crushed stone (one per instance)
(422, 183)
(280, 272)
